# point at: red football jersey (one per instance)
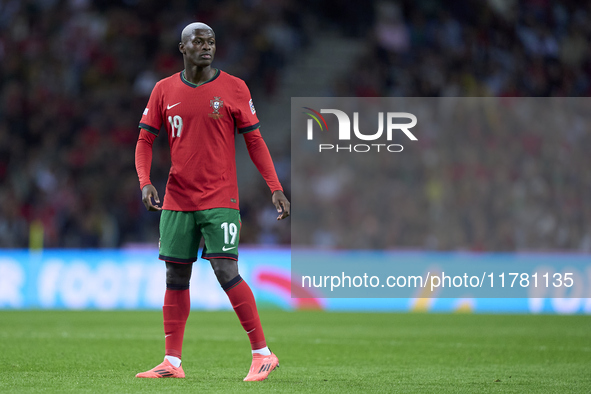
(201, 121)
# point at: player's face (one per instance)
(200, 48)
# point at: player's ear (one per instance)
(182, 48)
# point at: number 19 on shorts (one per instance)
(230, 232)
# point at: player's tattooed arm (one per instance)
(149, 192)
(282, 204)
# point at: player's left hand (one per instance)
(281, 203)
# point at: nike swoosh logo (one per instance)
(248, 332)
(170, 106)
(226, 249)
(166, 336)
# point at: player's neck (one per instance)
(199, 75)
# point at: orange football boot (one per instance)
(164, 370)
(261, 367)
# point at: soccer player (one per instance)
(201, 108)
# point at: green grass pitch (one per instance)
(100, 352)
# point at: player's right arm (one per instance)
(143, 162)
(149, 128)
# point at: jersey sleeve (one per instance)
(260, 156)
(143, 156)
(244, 111)
(152, 117)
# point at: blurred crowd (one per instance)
(75, 76)
(482, 188)
(474, 48)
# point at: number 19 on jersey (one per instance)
(176, 123)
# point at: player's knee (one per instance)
(178, 274)
(225, 270)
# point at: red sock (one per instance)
(177, 304)
(243, 303)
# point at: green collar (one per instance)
(193, 85)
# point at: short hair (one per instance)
(190, 28)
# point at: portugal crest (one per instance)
(216, 104)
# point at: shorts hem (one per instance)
(177, 259)
(208, 256)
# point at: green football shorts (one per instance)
(181, 232)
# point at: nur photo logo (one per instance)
(345, 134)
